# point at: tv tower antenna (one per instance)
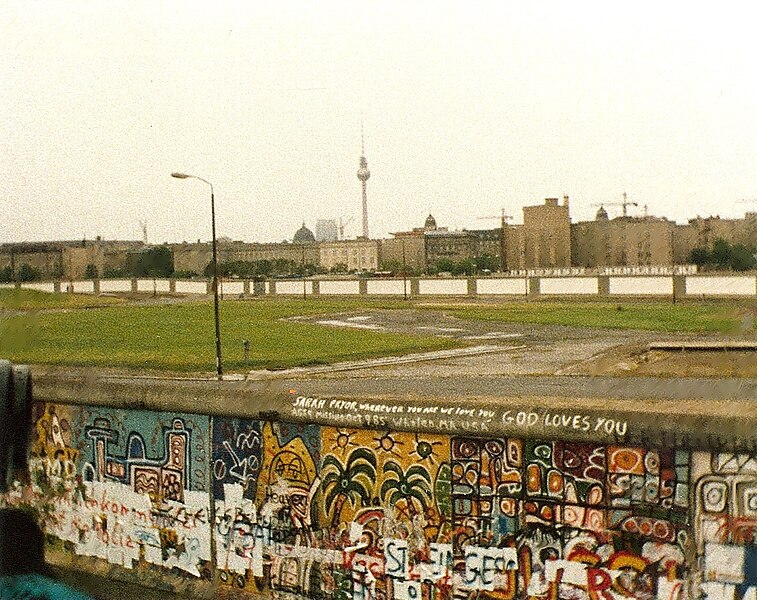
(363, 174)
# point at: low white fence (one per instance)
(641, 286)
(191, 287)
(510, 286)
(388, 287)
(41, 286)
(293, 287)
(443, 287)
(339, 287)
(720, 286)
(680, 286)
(569, 286)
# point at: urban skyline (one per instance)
(466, 110)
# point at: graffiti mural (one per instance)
(726, 523)
(129, 487)
(311, 511)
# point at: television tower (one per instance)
(363, 174)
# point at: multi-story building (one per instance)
(546, 234)
(624, 241)
(352, 255)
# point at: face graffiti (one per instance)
(341, 512)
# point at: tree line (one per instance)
(724, 256)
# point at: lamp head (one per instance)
(180, 175)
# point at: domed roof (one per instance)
(601, 214)
(303, 234)
(430, 223)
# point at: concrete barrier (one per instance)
(83, 287)
(737, 285)
(339, 287)
(41, 286)
(569, 286)
(509, 286)
(534, 286)
(443, 287)
(191, 287)
(234, 287)
(293, 287)
(271, 492)
(386, 287)
(115, 285)
(150, 286)
(641, 286)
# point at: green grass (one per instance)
(25, 299)
(180, 337)
(652, 316)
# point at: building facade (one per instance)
(350, 255)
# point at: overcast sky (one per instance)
(465, 110)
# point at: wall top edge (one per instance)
(724, 424)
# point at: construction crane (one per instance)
(625, 204)
(343, 224)
(503, 243)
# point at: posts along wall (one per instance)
(338, 512)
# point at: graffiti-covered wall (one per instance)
(253, 507)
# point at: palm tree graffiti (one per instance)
(352, 481)
(411, 486)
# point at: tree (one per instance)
(352, 481)
(445, 265)
(742, 258)
(91, 272)
(154, 262)
(699, 256)
(721, 252)
(487, 262)
(27, 273)
(413, 485)
(6, 274)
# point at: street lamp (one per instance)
(219, 367)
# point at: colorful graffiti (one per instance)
(726, 523)
(311, 511)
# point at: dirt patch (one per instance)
(638, 361)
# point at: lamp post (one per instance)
(219, 367)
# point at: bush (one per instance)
(6, 275)
(91, 272)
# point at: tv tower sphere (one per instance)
(363, 174)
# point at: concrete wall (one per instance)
(41, 286)
(327, 287)
(641, 286)
(509, 286)
(192, 287)
(568, 284)
(151, 285)
(721, 286)
(115, 285)
(380, 287)
(293, 288)
(443, 287)
(340, 498)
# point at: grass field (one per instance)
(180, 337)
(12, 299)
(712, 317)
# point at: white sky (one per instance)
(466, 110)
